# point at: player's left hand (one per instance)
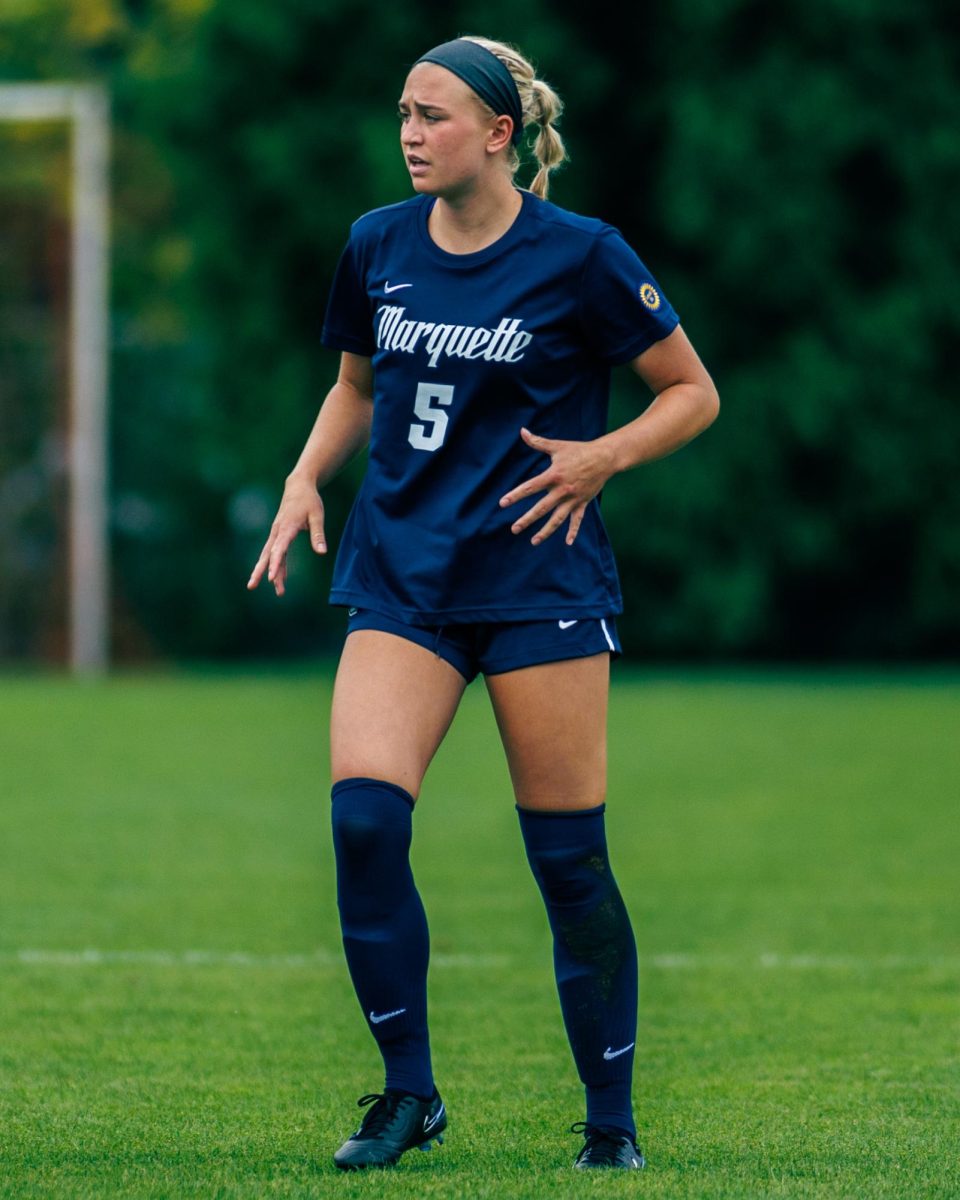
(577, 472)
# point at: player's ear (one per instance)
(501, 132)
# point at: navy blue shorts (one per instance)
(493, 647)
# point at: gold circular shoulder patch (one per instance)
(649, 296)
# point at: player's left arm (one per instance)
(685, 403)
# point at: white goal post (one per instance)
(86, 107)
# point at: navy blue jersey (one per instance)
(466, 349)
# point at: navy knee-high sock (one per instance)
(594, 954)
(384, 926)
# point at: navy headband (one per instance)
(485, 73)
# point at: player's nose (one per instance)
(412, 129)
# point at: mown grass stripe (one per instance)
(91, 957)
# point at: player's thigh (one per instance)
(553, 721)
(392, 703)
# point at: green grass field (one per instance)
(176, 1019)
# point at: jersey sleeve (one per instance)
(348, 324)
(622, 308)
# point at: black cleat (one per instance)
(397, 1122)
(607, 1148)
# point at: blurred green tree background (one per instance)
(788, 171)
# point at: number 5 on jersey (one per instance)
(420, 437)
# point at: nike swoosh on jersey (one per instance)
(396, 287)
(608, 1053)
(566, 624)
(385, 1016)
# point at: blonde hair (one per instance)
(541, 106)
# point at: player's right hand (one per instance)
(300, 508)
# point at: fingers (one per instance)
(540, 509)
(575, 522)
(317, 540)
(536, 441)
(570, 479)
(300, 509)
(527, 488)
(538, 482)
(277, 569)
(273, 559)
(561, 509)
(553, 503)
(259, 568)
(557, 518)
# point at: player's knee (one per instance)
(571, 876)
(369, 816)
(355, 835)
(374, 762)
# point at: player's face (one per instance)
(443, 132)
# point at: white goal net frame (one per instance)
(86, 108)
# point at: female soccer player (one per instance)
(478, 323)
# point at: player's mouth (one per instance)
(413, 162)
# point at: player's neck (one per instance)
(467, 223)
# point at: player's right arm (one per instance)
(341, 430)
